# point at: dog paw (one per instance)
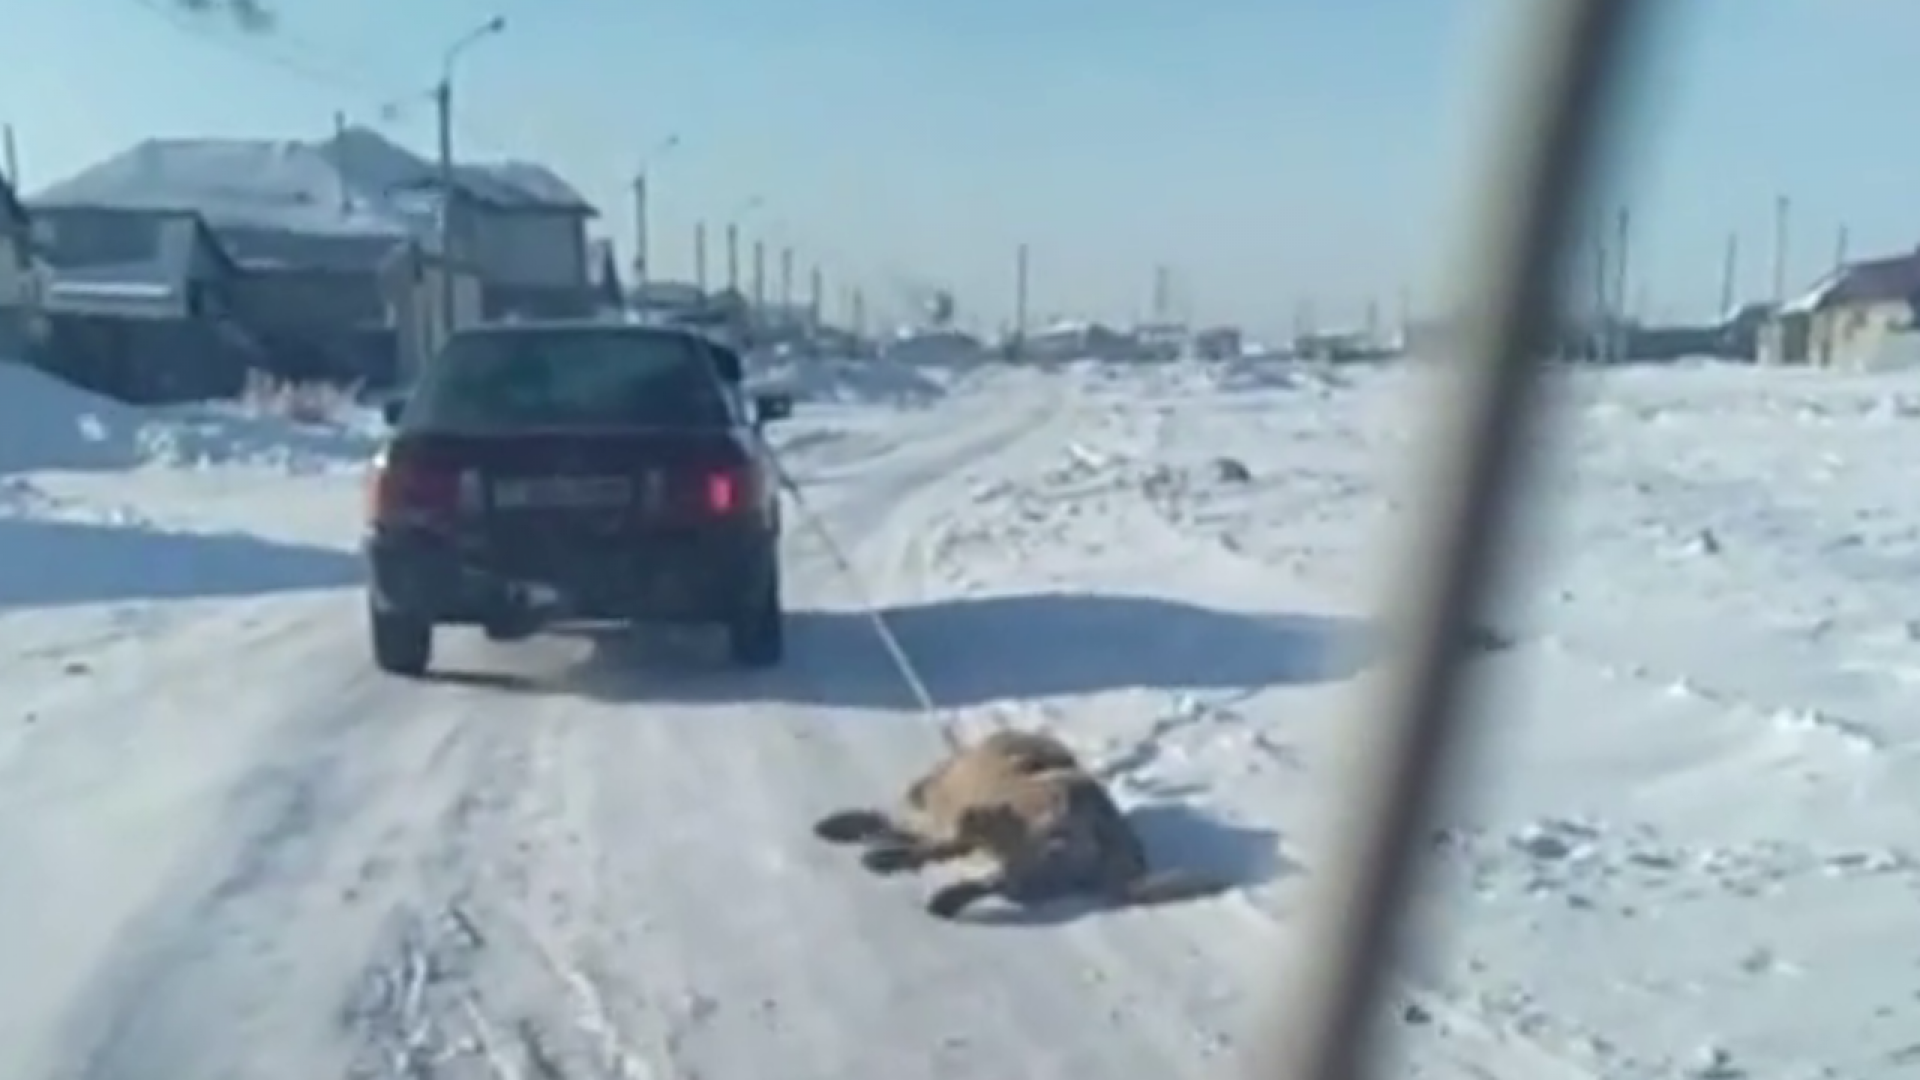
(949, 901)
(850, 826)
(889, 860)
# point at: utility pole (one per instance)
(1782, 214)
(339, 133)
(1162, 293)
(700, 255)
(1840, 249)
(1602, 290)
(1730, 276)
(642, 224)
(10, 156)
(640, 237)
(1022, 270)
(786, 278)
(858, 315)
(816, 287)
(759, 275)
(443, 109)
(733, 256)
(1623, 232)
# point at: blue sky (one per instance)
(1273, 152)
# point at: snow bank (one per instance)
(1271, 372)
(46, 424)
(847, 381)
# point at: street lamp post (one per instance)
(700, 256)
(443, 101)
(733, 240)
(759, 275)
(641, 232)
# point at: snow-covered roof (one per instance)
(380, 164)
(528, 182)
(1814, 298)
(352, 252)
(1867, 281)
(346, 185)
(239, 183)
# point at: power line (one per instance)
(328, 77)
(386, 107)
(250, 15)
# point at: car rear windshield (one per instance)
(568, 379)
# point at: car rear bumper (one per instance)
(695, 576)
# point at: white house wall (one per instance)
(522, 248)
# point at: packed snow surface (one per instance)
(233, 850)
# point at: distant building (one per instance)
(521, 227)
(1861, 316)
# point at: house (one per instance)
(417, 283)
(521, 225)
(1068, 339)
(140, 303)
(149, 264)
(347, 306)
(1860, 316)
(517, 224)
(528, 240)
(21, 282)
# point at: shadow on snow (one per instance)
(47, 564)
(968, 651)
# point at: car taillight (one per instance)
(723, 491)
(402, 491)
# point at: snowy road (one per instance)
(231, 850)
(563, 858)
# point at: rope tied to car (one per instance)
(896, 651)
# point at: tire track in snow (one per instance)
(824, 952)
(370, 806)
(1076, 500)
(693, 927)
(610, 877)
(418, 1007)
(203, 956)
(469, 917)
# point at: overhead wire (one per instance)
(383, 106)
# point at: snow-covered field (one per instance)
(230, 849)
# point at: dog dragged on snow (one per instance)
(1022, 803)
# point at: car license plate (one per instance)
(563, 492)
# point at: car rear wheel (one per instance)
(402, 644)
(757, 636)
